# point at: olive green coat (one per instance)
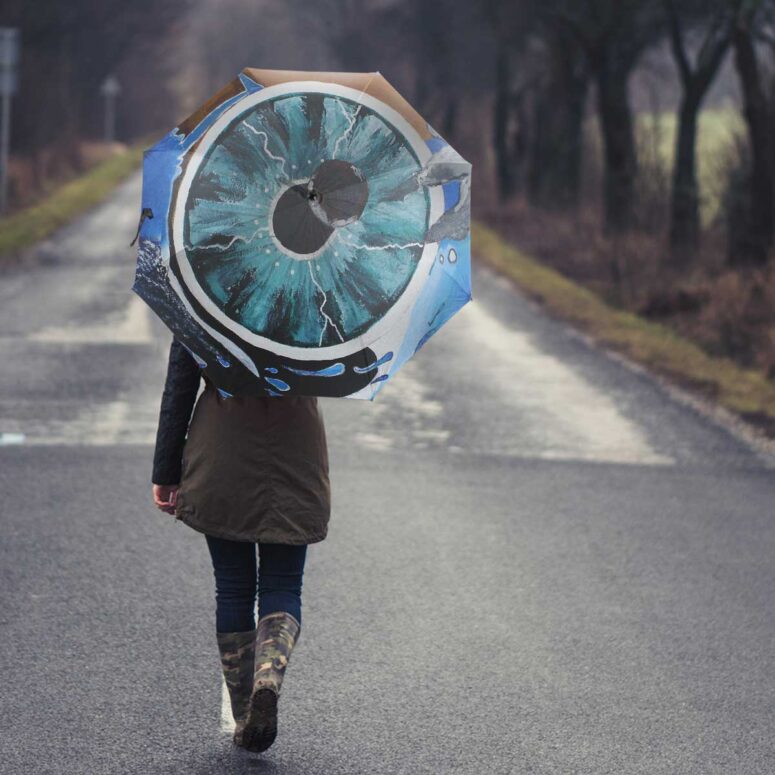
(256, 469)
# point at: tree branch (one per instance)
(677, 42)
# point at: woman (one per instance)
(252, 472)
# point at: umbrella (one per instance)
(304, 233)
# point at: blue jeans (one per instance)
(277, 579)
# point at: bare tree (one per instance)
(67, 49)
(683, 15)
(613, 34)
(511, 26)
(554, 177)
(756, 237)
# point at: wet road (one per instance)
(538, 561)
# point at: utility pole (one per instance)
(9, 61)
(110, 89)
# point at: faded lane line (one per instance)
(119, 422)
(408, 408)
(133, 328)
(7, 439)
(516, 400)
(125, 420)
(565, 417)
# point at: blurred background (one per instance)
(627, 143)
(544, 557)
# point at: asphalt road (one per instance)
(538, 561)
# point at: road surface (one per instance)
(538, 560)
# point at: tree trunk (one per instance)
(619, 147)
(554, 174)
(68, 138)
(754, 247)
(449, 122)
(685, 204)
(685, 211)
(504, 167)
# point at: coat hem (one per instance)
(262, 536)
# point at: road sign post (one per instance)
(9, 61)
(110, 89)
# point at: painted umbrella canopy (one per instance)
(304, 233)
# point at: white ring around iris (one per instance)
(402, 306)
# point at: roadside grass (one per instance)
(23, 229)
(746, 392)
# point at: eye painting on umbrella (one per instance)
(304, 233)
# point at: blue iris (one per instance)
(361, 271)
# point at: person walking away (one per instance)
(251, 474)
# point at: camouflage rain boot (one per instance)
(276, 635)
(237, 660)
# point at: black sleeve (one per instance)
(177, 402)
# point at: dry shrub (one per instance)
(30, 177)
(729, 312)
(738, 319)
(624, 269)
(735, 164)
(652, 186)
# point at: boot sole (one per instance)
(260, 728)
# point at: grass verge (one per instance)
(23, 229)
(746, 392)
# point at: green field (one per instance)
(655, 135)
(715, 138)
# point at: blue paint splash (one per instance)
(379, 379)
(224, 393)
(199, 361)
(278, 383)
(330, 371)
(271, 370)
(225, 363)
(364, 369)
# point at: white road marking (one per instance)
(127, 419)
(568, 418)
(408, 407)
(43, 408)
(108, 422)
(374, 440)
(518, 400)
(227, 720)
(539, 406)
(134, 327)
(72, 423)
(11, 438)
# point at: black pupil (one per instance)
(339, 192)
